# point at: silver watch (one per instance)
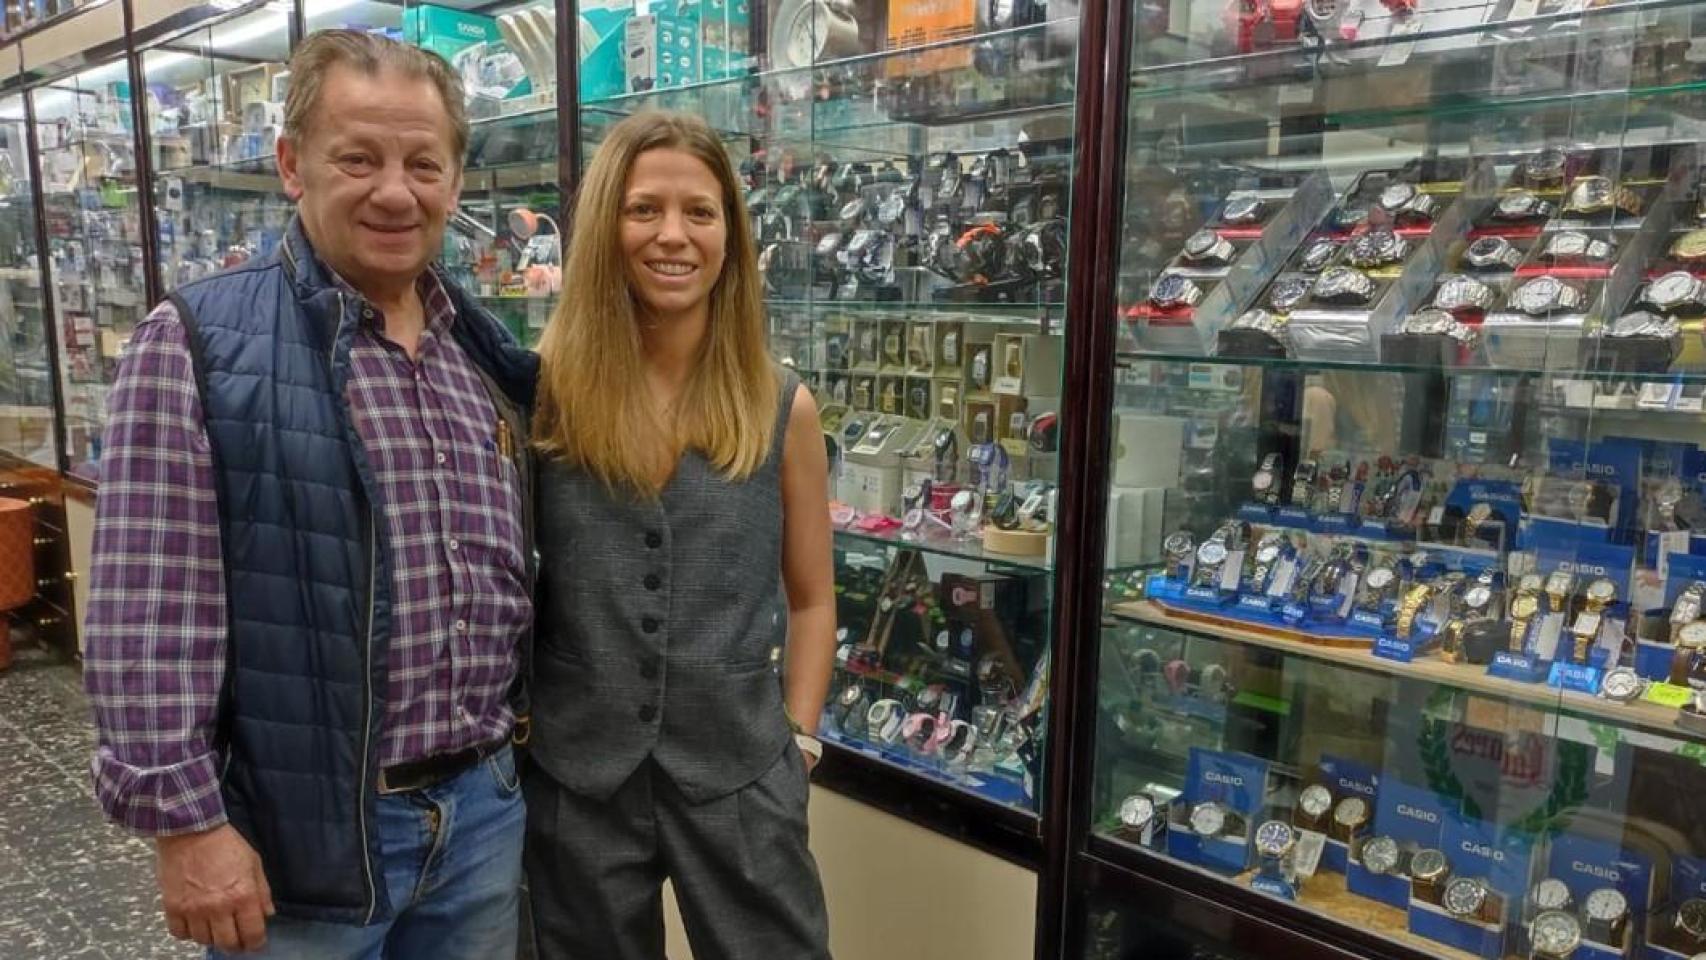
(1405, 200)
(1675, 290)
(1459, 292)
(1206, 246)
(1489, 253)
(1288, 292)
(1173, 291)
(1573, 246)
(1243, 209)
(1345, 285)
(1437, 323)
(1522, 205)
(1376, 248)
(1544, 295)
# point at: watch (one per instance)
(1476, 522)
(1521, 205)
(1265, 484)
(1211, 818)
(1314, 802)
(1523, 609)
(1267, 553)
(1344, 285)
(1690, 921)
(1317, 255)
(1591, 196)
(1402, 200)
(1553, 935)
(1492, 253)
(1410, 607)
(1559, 586)
(1288, 292)
(1675, 290)
(1551, 894)
(1206, 246)
(1178, 547)
(1622, 685)
(1380, 856)
(1275, 840)
(1467, 899)
(885, 720)
(1544, 169)
(1376, 248)
(980, 367)
(1428, 872)
(1544, 295)
(1434, 322)
(1607, 913)
(1463, 293)
(1137, 813)
(1303, 484)
(1690, 247)
(1573, 246)
(1600, 594)
(1349, 817)
(1173, 291)
(1243, 209)
(1689, 603)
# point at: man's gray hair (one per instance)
(368, 53)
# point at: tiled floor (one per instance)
(72, 887)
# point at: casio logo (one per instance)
(1470, 846)
(1223, 779)
(1603, 469)
(1591, 568)
(1595, 870)
(1355, 787)
(1414, 813)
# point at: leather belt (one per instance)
(434, 770)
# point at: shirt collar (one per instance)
(435, 301)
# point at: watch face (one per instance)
(1690, 246)
(1671, 289)
(1343, 283)
(1606, 905)
(1208, 819)
(1289, 292)
(1547, 165)
(1242, 208)
(1380, 855)
(1352, 812)
(1211, 553)
(1622, 684)
(1602, 591)
(1171, 290)
(1428, 865)
(1642, 324)
(1555, 933)
(1692, 635)
(1539, 295)
(1487, 250)
(1315, 800)
(1517, 205)
(1590, 193)
(1268, 553)
(1375, 248)
(1462, 293)
(1691, 917)
(1525, 607)
(1429, 323)
(1200, 243)
(1551, 894)
(1568, 245)
(1464, 897)
(1137, 811)
(1178, 544)
(1316, 255)
(852, 695)
(1397, 195)
(1478, 596)
(1275, 838)
(1381, 577)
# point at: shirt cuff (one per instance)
(160, 801)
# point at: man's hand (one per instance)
(213, 890)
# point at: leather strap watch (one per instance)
(1554, 935)
(1349, 819)
(1211, 818)
(1607, 914)
(1314, 804)
(1429, 870)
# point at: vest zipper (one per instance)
(367, 673)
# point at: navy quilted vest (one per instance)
(308, 573)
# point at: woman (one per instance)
(685, 535)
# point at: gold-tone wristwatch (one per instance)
(1559, 586)
(1412, 605)
(1591, 196)
(1690, 247)
(1523, 609)
(1600, 594)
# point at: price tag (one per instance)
(1306, 859)
(1668, 695)
(1231, 570)
(1546, 645)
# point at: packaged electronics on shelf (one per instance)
(507, 63)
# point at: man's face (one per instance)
(375, 177)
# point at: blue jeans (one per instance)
(452, 861)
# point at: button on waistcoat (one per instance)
(658, 624)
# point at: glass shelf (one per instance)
(1679, 378)
(972, 550)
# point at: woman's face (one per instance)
(673, 232)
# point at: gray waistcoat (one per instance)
(656, 626)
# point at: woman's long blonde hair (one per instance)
(594, 409)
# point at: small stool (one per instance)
(17, 564)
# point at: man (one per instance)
(313, 564)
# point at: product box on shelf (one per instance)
(603, 36)
(1411, 817)
(1469, 908)
(662, 50)
(1345, 778)
(1613, 888)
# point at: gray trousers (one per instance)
(744, 878)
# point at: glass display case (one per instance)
(215, 107)
(26, 386)
(91, 207)
(910, 207)
(505, 243)
(1416, 645)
